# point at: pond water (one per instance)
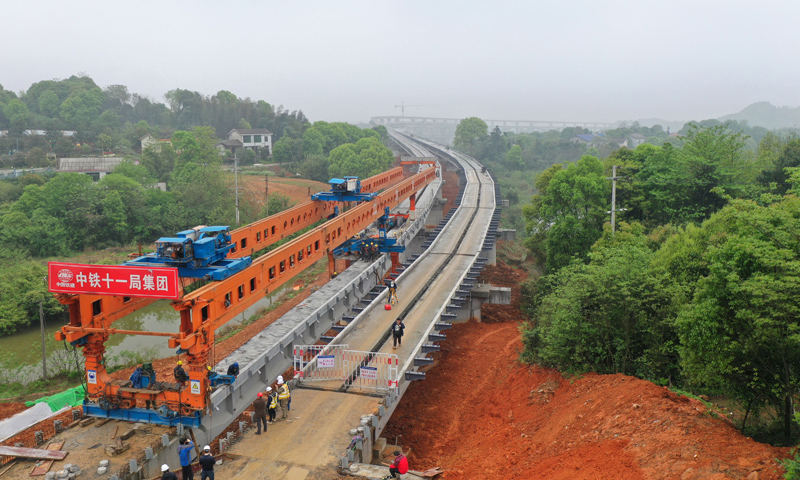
(159, 316)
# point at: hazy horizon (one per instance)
(348, 61)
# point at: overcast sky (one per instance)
(347, 60)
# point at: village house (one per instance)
(251, 138)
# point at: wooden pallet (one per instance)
(43, 468)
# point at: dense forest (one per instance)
(48, 216)
(696, 289)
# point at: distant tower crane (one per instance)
(403, 106)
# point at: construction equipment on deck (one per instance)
(212, 305)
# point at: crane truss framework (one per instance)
(258, 235)
(208, 308)
(247, 240)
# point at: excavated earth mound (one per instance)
(480, 414)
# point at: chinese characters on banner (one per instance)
(113, 280)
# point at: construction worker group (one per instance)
(267, 402)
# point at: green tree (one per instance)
(514, 158)
(159, 162)
(287, 151)
(776, 174)
(17, 114)
(49, 104)
(36, 158)
(197, 146)
(570, 212)
(313, 142)
(713, 157)
(315, 167)
(469, 133)
(343, 161)
(741, 333)
(138, 173)
(612, 315)
(105, 142)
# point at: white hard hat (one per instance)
(280, 381)
(206, 448)
(269, 389)
(280, 378)
(165, 468)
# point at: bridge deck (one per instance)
(315, 437)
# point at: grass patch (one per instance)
(17, 392)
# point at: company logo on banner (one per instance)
(195, 387)
(157, 282)
(369, 372)
(325, 361)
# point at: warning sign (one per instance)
(91, 376)
(195, 387)
(369, 372)
(325, 361)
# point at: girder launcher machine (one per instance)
(208, 308)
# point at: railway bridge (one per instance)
(348, 377)
(443, 130)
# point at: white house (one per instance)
(636, 140)
(252, 138)
(149, 140)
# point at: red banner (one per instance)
(122, 281)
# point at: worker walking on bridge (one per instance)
(397, 333)
(283, 397)
(393, 292)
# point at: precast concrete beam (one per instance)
(421, 361)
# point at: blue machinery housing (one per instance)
(197, 253)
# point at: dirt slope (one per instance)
(482, 415)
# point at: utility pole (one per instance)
(614, 209)
(44, 354)
(236, 184)
(266, 192)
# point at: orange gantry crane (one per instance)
(209, 307)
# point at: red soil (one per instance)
(480, 414)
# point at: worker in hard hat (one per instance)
(233, 369)
(272, 405)
(180, 374)
(397, 333)
(207, 462)
(393, 292)
(260, 407)
(283, 397)
(166, 474)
